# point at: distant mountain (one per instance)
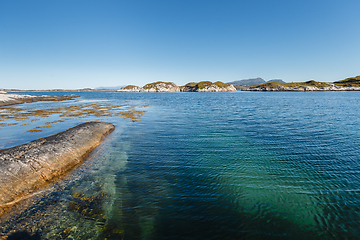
(251, 81)
(276, 80)
(102, 88)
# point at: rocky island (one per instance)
(28, 167)
(152, 87)
(161, 87)
(204, 86)
(349, 84)
(207, 86)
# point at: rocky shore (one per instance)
(28, 167)
(204, 86)
(12, 99)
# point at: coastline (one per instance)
(302, 89)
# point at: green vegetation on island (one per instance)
(204, 84)
(349, 82)
(130, 87)
(207, 86)
(157, 84)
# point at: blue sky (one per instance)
(85, 43)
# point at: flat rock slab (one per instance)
(11, 99)
(28, 167)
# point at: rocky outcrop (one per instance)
(152, 87)
(2, 91)
(28, 167)
(207, 86)
(11, 99)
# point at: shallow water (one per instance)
(207, 166)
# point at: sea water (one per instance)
(243, 165)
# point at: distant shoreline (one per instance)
(59, 90)
(13, 99)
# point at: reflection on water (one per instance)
(212, 166)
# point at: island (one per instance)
(349, 84)
(29, 167)
(204, 86)
(207, 86)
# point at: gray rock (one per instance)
(28, 167)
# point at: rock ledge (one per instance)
(28, 167)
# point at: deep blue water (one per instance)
(238, 165)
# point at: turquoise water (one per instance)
(207, 166)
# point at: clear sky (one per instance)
(84, 43)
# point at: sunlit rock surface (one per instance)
(28, 167)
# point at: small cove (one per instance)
(238, 165)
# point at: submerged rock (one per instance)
(28, 167)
